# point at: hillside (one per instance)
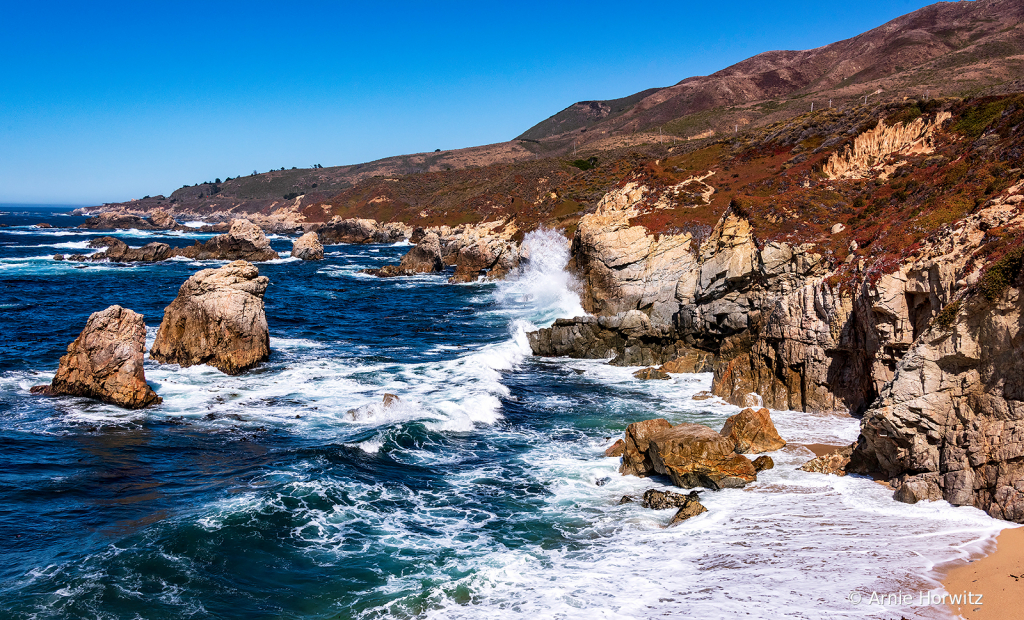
(961, 49)
(949, 48)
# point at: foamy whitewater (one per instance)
(291, 492)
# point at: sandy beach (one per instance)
(997, 577)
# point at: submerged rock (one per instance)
(646, 374)
(763, 462)
(688, 504)
(753, 431)
(105, 362)
(217, 319)
(308, 247)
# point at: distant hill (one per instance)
(947, 48)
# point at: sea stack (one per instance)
(105, 362)
(217, 319)
(308, 247)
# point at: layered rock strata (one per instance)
(950, 424)
(105, 362)
(217, 319)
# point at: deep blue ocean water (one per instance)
(290, 492)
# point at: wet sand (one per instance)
(997, 577)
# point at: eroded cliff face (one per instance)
(950, 424)
(778, 324)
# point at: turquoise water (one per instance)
(289, 492)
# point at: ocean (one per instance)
(290, 492)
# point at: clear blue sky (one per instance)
(106, 101)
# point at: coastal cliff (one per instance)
(846, 279)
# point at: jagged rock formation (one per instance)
(950, 424)
(308, 247)
(873, 148)
(105, 362)
(217, 319)
(692, 455)
(487, 249)
(245, 241)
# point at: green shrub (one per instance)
(585, 164)
(944, 319)
(1001, 274)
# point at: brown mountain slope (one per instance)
(944, 48)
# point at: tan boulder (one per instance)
(105, 361)
(696, 456)
(308, 247)
(635, 460)
(217, 319)
(752, 430)
(690, 509)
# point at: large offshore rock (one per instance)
(308, 247)
(752, 431)
(244, 241)
(105, 361)
(693, 455)
(425, 257)
(217, 319)
(951, 421)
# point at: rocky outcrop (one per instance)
(244, 241)
(119, 252)
(629, 339)
(635, 458)
(361, 231)
(217, 319)
(688, 505)
(424, 258)
(693, 455)
(158, 220)
(763, 462)
(752, 431)
(616, 449)
(872, 149)
(308, 247)
(623, 266)
(950, 424)
(105, 362)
